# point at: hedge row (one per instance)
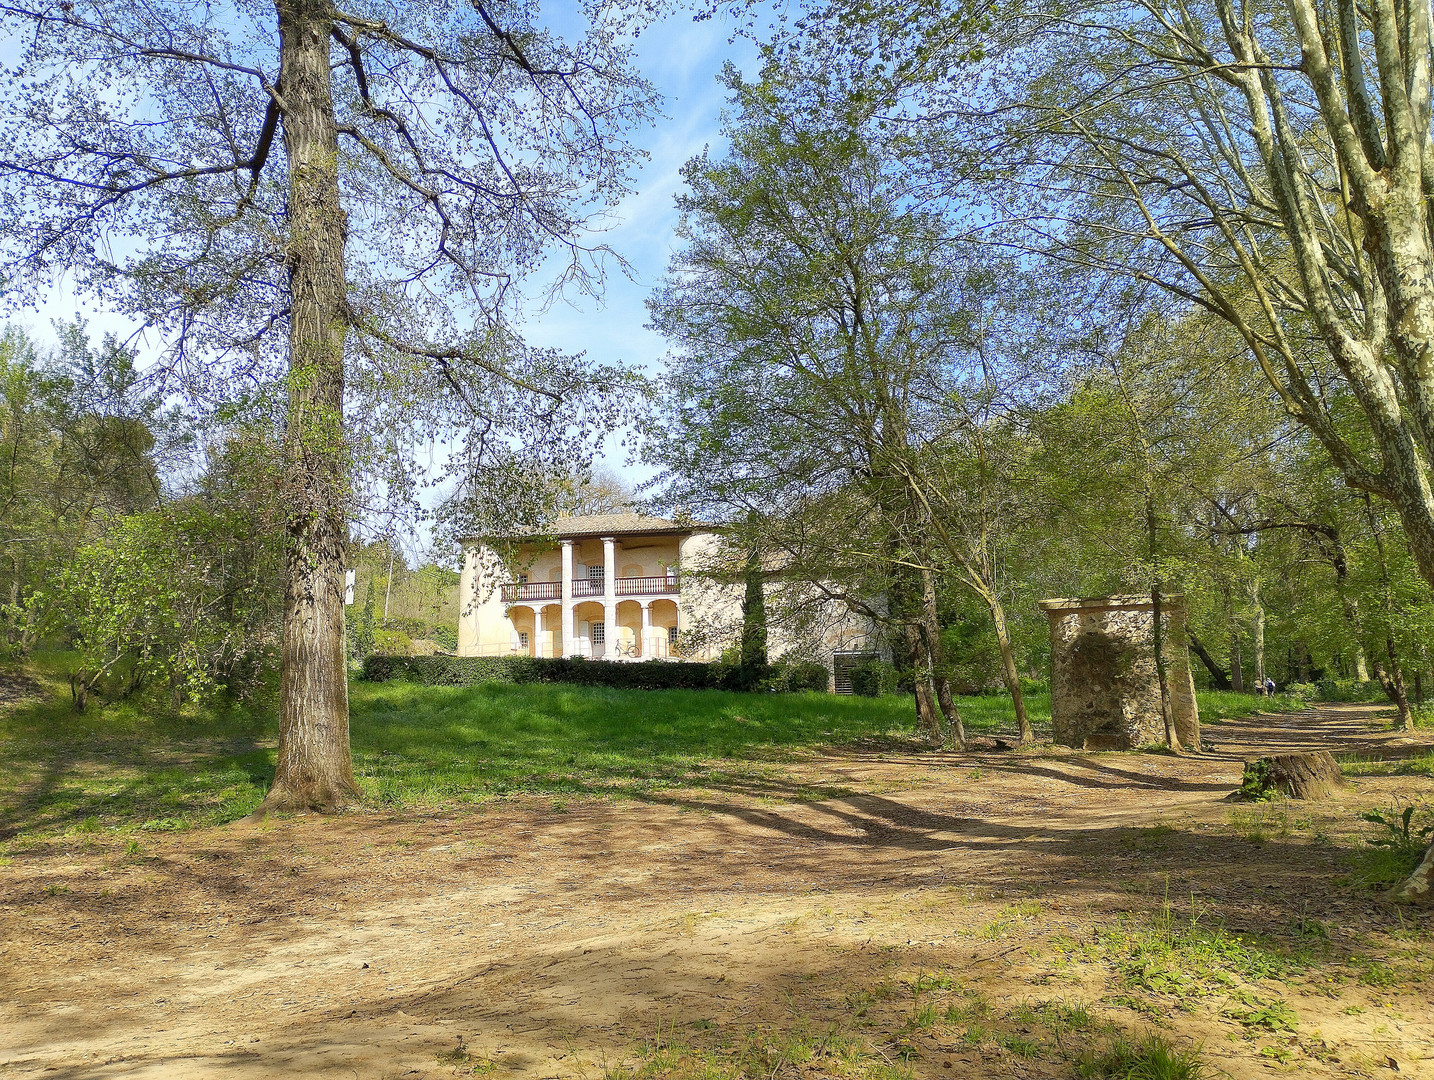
(644, 675)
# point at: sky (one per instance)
(683, 59)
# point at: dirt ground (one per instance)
(885, 896)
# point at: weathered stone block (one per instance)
(1105, 691)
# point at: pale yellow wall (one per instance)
(481, 618)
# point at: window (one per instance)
(672, 636)
(599, 633)
(522, 579)
(595, 574)
(522, 639)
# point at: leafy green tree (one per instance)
(328, 206)
(816, 316)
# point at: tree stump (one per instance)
(1300, 776)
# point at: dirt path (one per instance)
(544, 941)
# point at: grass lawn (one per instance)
(133, 767)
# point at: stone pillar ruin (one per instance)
(1105, 692)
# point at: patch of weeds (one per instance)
(974, 1034)
(1307, 927)
(1256, 824)
(926, 982)
(463, 1058)
(1256, 783)
(560, 806)
(923, 1017)
(1063, 1016)
(1145, 1057)
(1187, 957)
(1397, 843)
(1376, 973)
(57, 890)
(1282, 1054)
(134, 850)
(970, 1007)
(1271, 1016)
(1020, 1045)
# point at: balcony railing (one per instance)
(630, 586)
(520, 592)
(532, 590)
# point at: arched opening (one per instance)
(589, 630)
(550, 630)
(662, 633)
(630, 645)
(523, 632)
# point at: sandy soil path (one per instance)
(544, 942)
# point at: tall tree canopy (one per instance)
(315, 206)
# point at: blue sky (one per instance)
(683, 59)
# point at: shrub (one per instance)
(446, 636)
(1302, 691)
(470, 670)
(1349, 690)
(392, 642)
(872, 678)
(414, 628)
(795, 676)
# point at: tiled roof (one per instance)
(610, 524)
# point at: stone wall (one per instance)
(1105, 692)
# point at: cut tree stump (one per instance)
(1300, 776)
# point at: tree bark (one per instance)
(1315, 775)
(1392, 680)
(928, 719)
(1237, 674)
(1009, 675)
(1217, 674)
(936, 655)
(1257, 635)
(1419, 888)
(314, 769)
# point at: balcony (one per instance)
(520, 592)
(636, 586)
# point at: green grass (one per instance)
(1217, 705)
(138, 766)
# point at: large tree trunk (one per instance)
(314, 769)
(1419, 889)
(1257, 635)
(1218, 677)
(1237, 673)
(1157, 635)
(1009, 675)
(1392, 680)
(928, 718)
(936, 654)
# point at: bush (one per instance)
(795, 676)
(414, 628)
(783, 677)
(392, 643)
(446, 636)
(1349, 690)
(1302, 691)
(872, 678)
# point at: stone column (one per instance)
(609, 597)
(570, 643)
(646, 642)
